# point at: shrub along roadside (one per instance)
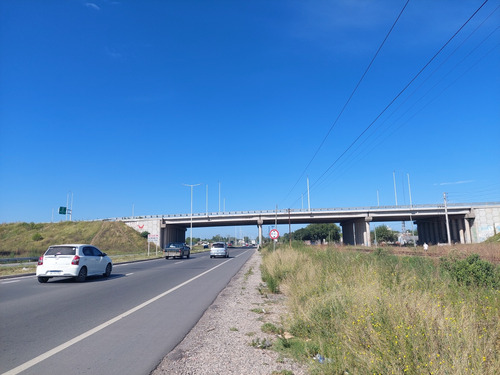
(378, 313)
(472, 271)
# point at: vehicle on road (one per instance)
(219, 249)
(73, 260)
(177, 249)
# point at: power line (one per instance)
(398, 95)
(378, 140)
(348, 100)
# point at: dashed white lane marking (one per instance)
(84, 335)
(10, 281)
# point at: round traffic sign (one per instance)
(274, 234)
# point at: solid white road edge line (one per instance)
(84, 335)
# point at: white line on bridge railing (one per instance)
(304, 210)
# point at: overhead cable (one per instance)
(398, 95)
(348, 100)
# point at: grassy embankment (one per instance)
(378, 313)
(20, 240)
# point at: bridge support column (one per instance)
(356, 232)
(433, 231)
(259, 225)
(366, 232)
(427, 231)
(468, 237)
(348, 232)
(172, 233)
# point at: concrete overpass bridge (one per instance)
(465, 222)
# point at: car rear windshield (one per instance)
(175, 244)
(218, 245)
(61, 250)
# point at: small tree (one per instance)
(217, 238)
(145, 234)
(318, 232)
(384, 234)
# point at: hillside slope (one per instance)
(32, 239)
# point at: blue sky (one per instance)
(123, 102)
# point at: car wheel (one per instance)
(42, 279)
(82, 275)
(189, 254)
(109, 267)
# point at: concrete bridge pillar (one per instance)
(426, 233)
(429, 231)
(359, 232)
(171, 233)
(461, 230)
(454, 230)
(433, 231)
(468, 237)
(348, 232)
(259, 225)
(356, 232)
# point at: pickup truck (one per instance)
(177, 249)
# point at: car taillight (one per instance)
(76, 260)
(40, 260)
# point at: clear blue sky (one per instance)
(123, 102)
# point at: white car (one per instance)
(219, 249)
(73, 260)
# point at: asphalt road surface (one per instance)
(121, 325)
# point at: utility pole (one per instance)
(447, 221)
(191, 233)
(71, 212)
(275, 226)
(308, 196)
(411, 207)
(68, 209)
(289, 228)
(395, 192)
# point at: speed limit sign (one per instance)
(274, 234)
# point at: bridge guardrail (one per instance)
(303, 210)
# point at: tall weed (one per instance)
(384, 314)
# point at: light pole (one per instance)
(191, 234)
(447, 220)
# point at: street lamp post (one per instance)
(191, 234)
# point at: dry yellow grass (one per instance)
(383, 314)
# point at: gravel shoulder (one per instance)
(221, 342)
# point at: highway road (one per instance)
(121, 325)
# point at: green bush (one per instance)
(272, 282)
(472, 271)
(37, 237)
(145, 234)
(271, 328)
(32, 226)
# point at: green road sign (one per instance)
(62, 210)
